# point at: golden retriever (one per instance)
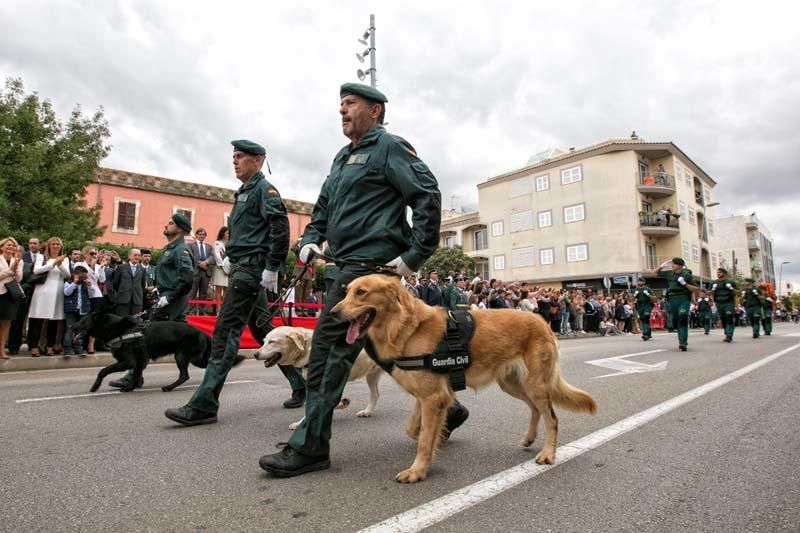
(517, 350)
(286, 345)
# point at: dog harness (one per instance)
(127, 338)
(452, 355)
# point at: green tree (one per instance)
(45, 167)
(445, 259)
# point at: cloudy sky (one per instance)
(476, 88)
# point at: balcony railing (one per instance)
(658, 184)
(654, 219)
(753, 244)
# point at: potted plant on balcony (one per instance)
(643, 215)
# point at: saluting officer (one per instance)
(753, 304)
(643, 301)
(361, 213)
(704, 311)
(724, 290)
(257, 247)
(679, 292)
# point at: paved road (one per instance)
(725, 461)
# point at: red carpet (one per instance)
(206, 325)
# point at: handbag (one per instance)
(38, 279)
(15, 292)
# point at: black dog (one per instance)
(132, 343)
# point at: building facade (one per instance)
(745, 246)
(135, 207)
(611, 210)
(466, 230)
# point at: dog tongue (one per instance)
(353, 331)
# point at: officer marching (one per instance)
(753, 304)
(723, 291)
(257, 250)
(643, 298)
(767, 311)
(679, 291)
(704, 311)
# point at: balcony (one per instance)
(751, 222)
(755, 266)
(753, 244)
(660, 185)
(656, 225)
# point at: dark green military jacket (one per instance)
(457, 299)
(258, 225)
(753, 297)
(361, 209)
(675, 287)
(703, 305)
(642, 298)
(175, 270)
(723, 294)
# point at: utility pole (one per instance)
(370, 51)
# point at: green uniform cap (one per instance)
(182, 222)
(248, 147)
(723, 270)
(365, 91)
(679, 261)
(749, 280)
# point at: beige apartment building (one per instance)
(573, 218)
(744, 245)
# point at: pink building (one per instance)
(135, 207)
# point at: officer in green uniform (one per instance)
(173, 277)
(704, 311)
(724, 290)
(361, 213)
(643, 300)
(679, 279)
(767, 311)
(257, 247)
(457, 299)
(753, 304)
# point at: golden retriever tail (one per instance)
(571, 398)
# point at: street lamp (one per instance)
(780, 272)
(712, 204)
(370, 51)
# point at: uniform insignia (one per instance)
(413, 153)
(357, 159)
(166, 254)
(186, 252)
(272, 192)
(242, 198)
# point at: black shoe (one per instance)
(705, 333)
(189, 417)
(682, 347)
(457, 414)
(727, 338)
(126, 383)
(755, 335)
(768, 334)
(297, 400)
(289, 463)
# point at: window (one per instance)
(126, 216)
(480, 239)
(225, 218)
(521, 221)
(647, 207)
(573, 213)
(692, 218)
(713, 262)
(449, 241)
(497, 228)
(707, 195)
(542, 183)
(546, 256)
(522, 257)
(685, 248)
(188, 212)
(577, 252)
(571, 175)
(545, 219)
(644, 169)
(711, 228)
(651, 255)
(499, 262)
(519, 187)
(683, 210)
(695, 253)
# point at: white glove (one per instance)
(308, 252)
(269, 280)
(714, 287)
(729, 286)
(226, 265)
(162, 302)
(755, 292)
(399, 266)
(681, 280)
(666, 263)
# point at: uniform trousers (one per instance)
(679, 311)
(644, 316)
(754, 315)
(727, 315)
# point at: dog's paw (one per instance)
(546, 457)
(94, 388)
(366, 413)
(344, 403)
(409, 476)
(294, 425)
(526, 441)
(166, 389)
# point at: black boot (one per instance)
(126, 383)
(457, 414)
(189, 417)
(297, 400)
(289, 463)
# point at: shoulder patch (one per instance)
(186, 252)
(272, 192)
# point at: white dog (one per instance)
(286, 345)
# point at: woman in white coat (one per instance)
(96, 274)
(47, 302)
(220, 279)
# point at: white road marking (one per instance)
(448, 505)
(623, 366)
(109, 393)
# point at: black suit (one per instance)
(17, 326)
(201, 277)
(128, 289)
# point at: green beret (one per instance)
(723, 270)
(679, 261)
(248, 147)
(749, 280)
(146, 251)
(365, 91)
(182, 222)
